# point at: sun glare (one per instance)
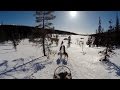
(73, 13)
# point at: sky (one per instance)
(84, 22)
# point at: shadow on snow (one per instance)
(20, 66)
(112, 67)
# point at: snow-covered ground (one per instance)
(28, 61)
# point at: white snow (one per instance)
(28, 61)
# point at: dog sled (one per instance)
(62, 72)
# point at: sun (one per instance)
(73, 13)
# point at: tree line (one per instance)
(109, 37)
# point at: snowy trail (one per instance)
(86, 66)
(82, 66)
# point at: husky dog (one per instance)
(62, 51)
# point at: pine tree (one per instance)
(110, 27)
(99, 27)
(43, 19)
(117, 22)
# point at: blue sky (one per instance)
(83, 22)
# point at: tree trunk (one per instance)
(44, 37)
(43, 41)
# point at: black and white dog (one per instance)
(62, 51)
